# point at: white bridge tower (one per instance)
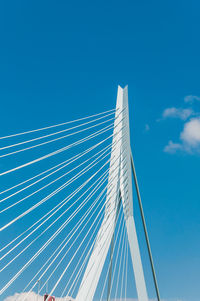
(120, 179)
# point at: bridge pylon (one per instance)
(120, 179)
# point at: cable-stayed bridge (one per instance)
(67, 216)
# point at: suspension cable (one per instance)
(64, 164)
(53, 140)
(63, 175)
(60, 124)
(33, 258)
(47, 220)
(56, 133)
(119, 228)
(54, 192)
(107, 128)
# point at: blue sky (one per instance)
(62, 60)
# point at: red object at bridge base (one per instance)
(49, 298)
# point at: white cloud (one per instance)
(180, 113)
(191, 98)
(172, 147)
(147, 127)
(32, 296)
(189, 138)
(191, 133)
